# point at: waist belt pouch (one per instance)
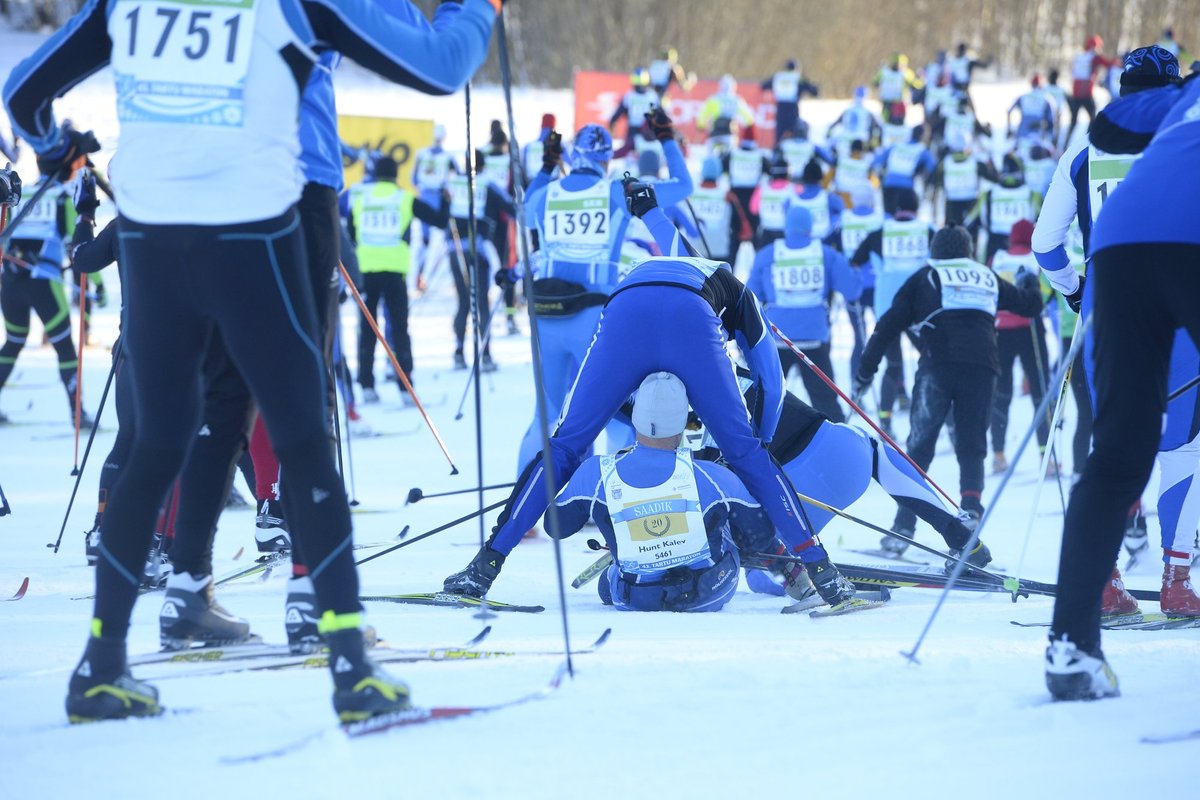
(554, 297)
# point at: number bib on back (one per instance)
(797, 153)
(891, 84)
(1105, 173)
(818, 208)
(576, 225)
(1008, 206)
(745, 167)
(770, 206)
(460, 195)
(905, 245)
(1006, 265)
(967, 285)
(853, 173)
(713, 210)
(856, 228)
(799, 275)
(42, 220)
(433, 170)
(902, 160)
(786, 86)
(960, 178)
(182, 61)
(659, 527)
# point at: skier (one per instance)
(858, 223)
(1018, 337)
(797, 150)
(793, 280)
(491, 204)
(1143, 287)
(853, 170)
(826, 207)
(31, 279)
(901, 164)
(664, 317)
(722, 114)
(953, 300)
(1036, 109)
(634, 107)
(958, 177)
(694, 569)
(187, 237)
(891, 80)
(999, 207)
(380, 217)
(1084, 69)
(855, 123)
(961, 66)
(531, 158)
(787, 87)
(666, 70)
(432, 167)
(746, 165)
(897, 250)
(581, 222)
(718, 214)
(769, 202)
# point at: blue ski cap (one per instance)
(1149, 67)
(798, 220)
(710, 169)
(592, 148)
(860, 92)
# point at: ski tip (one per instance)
(21, 591)
(239, 553)
(479, 637)
(602, 638)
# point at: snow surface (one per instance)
(785, 704)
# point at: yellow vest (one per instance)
(382, 213)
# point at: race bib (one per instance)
(182, 61)
(745, 167)
(378, 225)
(582, 221)
(903, 160)
(770, 208)
(1105, 173)
(658, 527)
(460, 196)
(961, 179)
(903, 245)
(968, 286)
(799, 276)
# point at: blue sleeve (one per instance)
(881, 159)
(836, 207)
(344, 204)
(1128, 124)
(435, 60)
(844, 279)
(927, 162)
(670, 242)
(542, 178)
(760, 273)
(824, 154)
(678, 187)
(575, 500)
(77, 50)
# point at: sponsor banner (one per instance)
(398, 138)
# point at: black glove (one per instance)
(660, 124)
(86, 200)
(862, 385)
(73, 146)
(505, 277)
(1027, 281)
(639, 197)
(552, 151)
(10, 187)
(1075, 298)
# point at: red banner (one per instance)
(597, 95)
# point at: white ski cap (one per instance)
(660, 409)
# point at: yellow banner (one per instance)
(398, 138)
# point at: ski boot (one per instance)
(370, 396)
(477, 578)
(91, 543)
(885, 423)
(1116, 601)
(487, 364)
(893, 547)
(361, 689)
(1073, 674)
(190, 615)
(999, 464)
(1179, 597)
(158, 564)
(301, 615)
(1136, 540)
(970, 511)
(830, 583)
(513, 330)
(101, 687)
(271, 528)
(792, 576)
(460, 361)
(979, 556)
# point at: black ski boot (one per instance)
(91, 543)
(301, 615)
(1074, 674)
(191, 614)
(271, 529)
(979, 556)
(361, 689)
(477, 578)
(830, 583)
(101, 687)
(893, 547)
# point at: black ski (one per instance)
(1168, 738)
(890, 556)
(403, 719)
(1133, 622)
(447, 600)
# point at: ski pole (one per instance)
(429, 533)
(5, 508)
(487, 335)
(370, 318)
(1182, 390)
(117, 359)
(1039, 342)
(829, 382)
(699, 228)
(1010, 583)
(83, 281)
(535, 342)
(415, 495)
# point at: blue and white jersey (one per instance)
(45, 223)
(581, 221)
(901, 163)
(209, 105)
(657, 509)
(793, 283)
